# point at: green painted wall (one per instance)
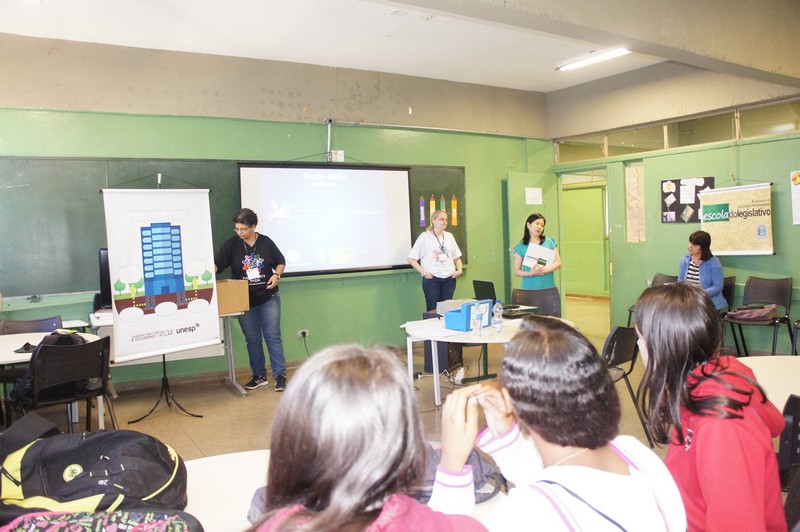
(755, 161)
(366, 308)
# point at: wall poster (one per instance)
(679, 199)
(739, 219)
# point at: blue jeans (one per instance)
(264, 318)
(437, 289)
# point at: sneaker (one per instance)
(256, 382)
(280, 383)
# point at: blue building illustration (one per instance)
(162, 261)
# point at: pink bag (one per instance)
(754, 312)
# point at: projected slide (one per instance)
(331, 218)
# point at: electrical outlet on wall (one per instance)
(303, 333)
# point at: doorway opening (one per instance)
(585, 253)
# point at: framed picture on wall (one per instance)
(680, 202)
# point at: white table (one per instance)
(779, 375)
(220, 489)
(434, 329)
(11, 342)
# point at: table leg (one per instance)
(226, 326)
(437, 391)
(410, 357)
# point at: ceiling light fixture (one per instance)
(592, 58)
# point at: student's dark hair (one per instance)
(559, 386)
(702, 239)
(245, 217)
(347, 434)
(681, 330)
(526, 235)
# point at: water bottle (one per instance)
(497, 317)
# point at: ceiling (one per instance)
(373, 35)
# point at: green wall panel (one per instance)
(364, 308)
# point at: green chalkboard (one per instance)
(53, 223)
(439, 188)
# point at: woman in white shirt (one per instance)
(553, 432)
(437, 258)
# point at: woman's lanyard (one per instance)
(441, 243)
(253, 274)
(253, 246)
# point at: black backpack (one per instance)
(43, 470)
(22, 393)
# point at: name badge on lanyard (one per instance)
(253, 272)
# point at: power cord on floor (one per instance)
(304, 336)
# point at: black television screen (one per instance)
(331, 218)
(105, 280)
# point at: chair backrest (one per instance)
(484, 290)
(620, 346)
(27, 326)
(758, 290)
(55, 365)
(548, 300)
(660, 278)
(728, 284)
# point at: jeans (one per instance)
(437, 289)
(264, 318)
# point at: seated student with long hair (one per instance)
(711, 412)
(348, 447)
(552, 430)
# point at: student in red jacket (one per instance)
(711, 411)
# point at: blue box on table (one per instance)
(461, 319)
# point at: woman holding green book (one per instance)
(536, 267)
(536, 258)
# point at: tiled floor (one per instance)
(233, 423)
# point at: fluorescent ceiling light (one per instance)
(594, 57)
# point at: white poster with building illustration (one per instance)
(161, 264)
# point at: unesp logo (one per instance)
(716, 213)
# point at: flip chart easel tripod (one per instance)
(166, 394)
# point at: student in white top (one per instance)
(437, 258)
(553, 432)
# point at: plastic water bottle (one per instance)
(497, 317)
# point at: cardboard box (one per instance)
(232, 296)
(461, 319)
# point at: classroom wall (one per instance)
(751, 162)
(55, 74)
(366, 307)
